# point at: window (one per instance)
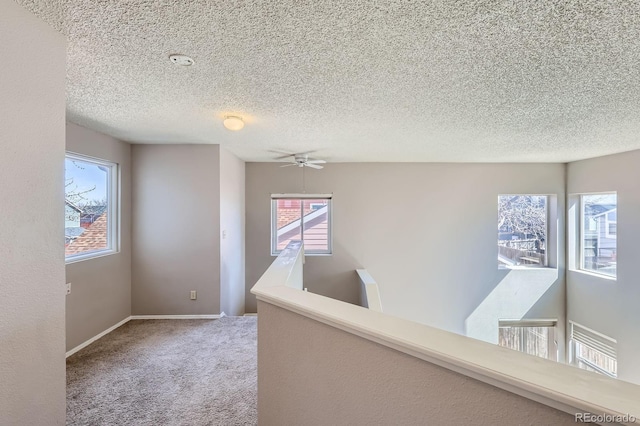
(90, 207)
(533, 337)
(599, 230)
(593, 351)
(522, 230)
(301, 217)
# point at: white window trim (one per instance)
(113, 218)
(274, 224)
(527, 322)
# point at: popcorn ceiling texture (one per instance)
(384, 80)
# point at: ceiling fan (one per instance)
(302, 160)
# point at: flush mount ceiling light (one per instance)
(232, 122)
(183, 60)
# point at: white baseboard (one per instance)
(96, 337)
(139, 317)
(146, 317)
(250, 315)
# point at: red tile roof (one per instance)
(92, 239)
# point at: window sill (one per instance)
(523, 268)
(308, 254)
(594, 274)
(88, 256)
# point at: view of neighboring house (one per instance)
(72, 215)
(600, 235)
(72, 218)
(85, 228)
(90, 214)
(93, 237)
(315, 223)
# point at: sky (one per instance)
(85, 176)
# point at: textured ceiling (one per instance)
(384, 80)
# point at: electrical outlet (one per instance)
(68, 289)
(193, 295)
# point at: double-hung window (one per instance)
(593, 351)
(598, 233)
(90, 205)
(301, 217)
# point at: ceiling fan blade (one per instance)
(282, 154)
(313, 166)
(290, 164)
(316, 161)
(282, 157)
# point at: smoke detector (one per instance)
(183, 60)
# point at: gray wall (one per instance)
(176, 229)
(359, 382)
(611, 306)
(101, 287)
(232, 235)
(426, 232)
(32, 111)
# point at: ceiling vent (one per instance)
(183, 60)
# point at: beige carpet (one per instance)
(167, 372)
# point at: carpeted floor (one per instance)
(167, 372)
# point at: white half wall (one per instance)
(32, 290)
(426, 232)
(605, 305)
(359, 382)
(232, 234)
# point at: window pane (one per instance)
(86, 207)
(530, 340)
(510, 337)
(287, 222)
(537, 341)
(301, 219)
(522, 230)
(599, 233)
(316, 225)
(593, 360)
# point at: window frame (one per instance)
(113, 208)
(301, 198)
(547, 208)
(551, 324)
(575, 360)
(581, 234)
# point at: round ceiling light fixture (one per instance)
(233, 122)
